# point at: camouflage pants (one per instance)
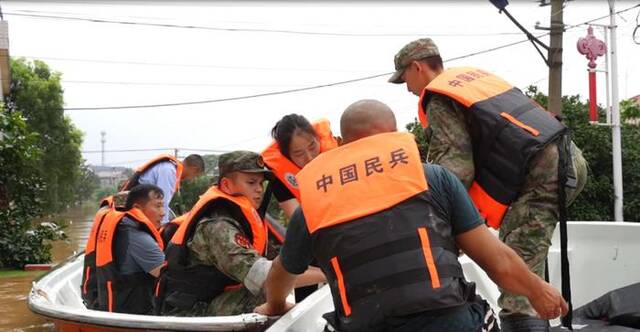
(530, 221)
(229, 303)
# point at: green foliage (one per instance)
(596, 200)
(191, 190)
(21, 191)
(37, 94)
(189, 193)
(421, 139)
(103, 192)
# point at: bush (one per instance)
(21, 191)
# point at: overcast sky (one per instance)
(277, 46)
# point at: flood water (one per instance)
(14, 314)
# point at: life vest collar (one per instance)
(107, 231)
(284, 169)
(360, 178)
(258, 227)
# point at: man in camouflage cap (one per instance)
(225, 239)
(220, 240)
(453, 136)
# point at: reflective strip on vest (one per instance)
(258, 227)
(336, 186)
(285, 169)
(97, 221)
(501, 152)
(106, 233)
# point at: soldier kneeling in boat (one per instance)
(218, 259)
(121, 276)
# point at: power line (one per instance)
(154, 149)
(299, 32)
(143, 63)
(273, 93)
(210, 101)
(178, 84)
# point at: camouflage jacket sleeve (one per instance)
(449, 140)
(219, 242)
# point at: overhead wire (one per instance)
(286, 31)
(273, 93)
(144, 63)
(635, 35)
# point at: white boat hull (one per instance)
(602, 255)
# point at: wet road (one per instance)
(14, 314)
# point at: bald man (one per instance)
(388, 242)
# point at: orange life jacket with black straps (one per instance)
(384, 248)
(169, 229)
(188, 283)
(135, 178)
(506, 127)
(131, 293)
(284, 169)
(89, 288)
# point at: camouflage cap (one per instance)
(415, 50)
(241, 161)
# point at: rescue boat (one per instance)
(602, 256)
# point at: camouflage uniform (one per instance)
(219, 241)
(529, 223)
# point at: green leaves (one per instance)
(42, 168)
(596, 200)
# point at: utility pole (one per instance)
(103, 140)
(555, 57)
(615, 118)
(175, 153)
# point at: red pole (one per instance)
(593, 103)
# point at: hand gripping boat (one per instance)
(603, 257)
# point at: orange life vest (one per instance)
(179, 276)
(118, 293)
(283, 168)
(133, 181)
(506, 128)
(329, 189)
(169, 229)
(88, 288)
(376, 234)
(258, 227)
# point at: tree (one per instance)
(421, 139)
(190, 191)
(21, 191)
(37, 94)
(596, 200)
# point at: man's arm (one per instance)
(295, 257)
(279, 284)
(311, 276)
(510, 272)
(449, 141)
(218, 242)
(289, 206)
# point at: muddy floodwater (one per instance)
(14, 314)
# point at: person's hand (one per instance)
(548, 302)
(270, 310)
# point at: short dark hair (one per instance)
(284, 130)
(434, 62)
(141, 194)
(195, 160)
